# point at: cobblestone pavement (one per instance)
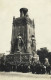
(23, 76)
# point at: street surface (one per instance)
(23, 76)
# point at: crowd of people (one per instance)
(35, 66)
(40, 68)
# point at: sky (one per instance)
(39, 10)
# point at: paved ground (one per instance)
(23, 76)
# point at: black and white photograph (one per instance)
(25, 39)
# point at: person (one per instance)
(46, 62)
(48, 68)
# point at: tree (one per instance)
(43, 53)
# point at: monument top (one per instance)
(24, 10)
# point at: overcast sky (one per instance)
(39, 10)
